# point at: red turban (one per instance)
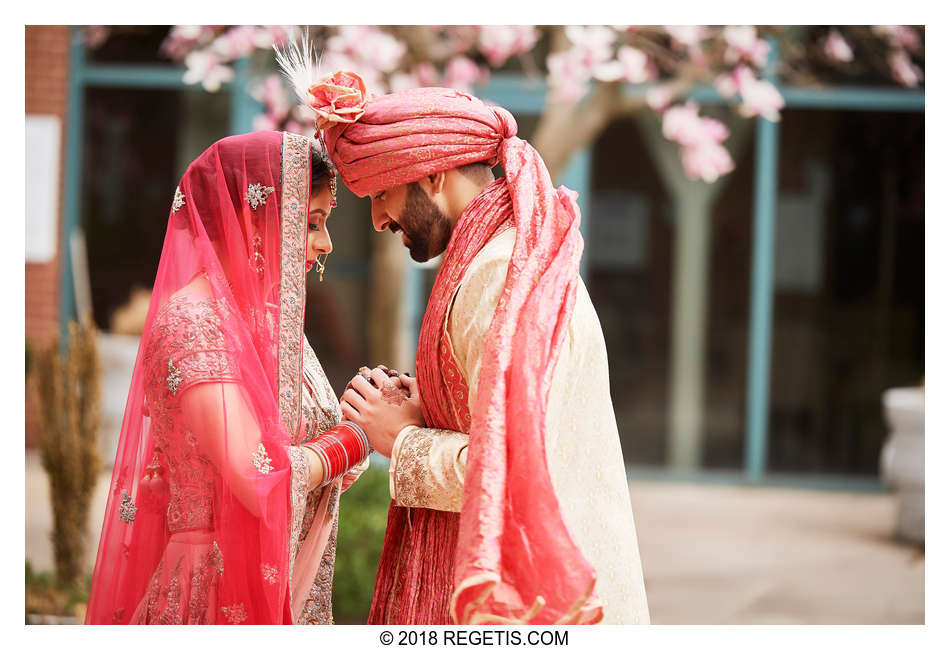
(405, 136)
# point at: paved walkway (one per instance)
(713, 554)
(723, 554)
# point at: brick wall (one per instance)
(47, 87)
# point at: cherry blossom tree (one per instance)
(590, 71)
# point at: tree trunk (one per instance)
(387, 303)
(693, 201)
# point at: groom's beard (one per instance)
(426, 227)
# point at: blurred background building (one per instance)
(752, 322)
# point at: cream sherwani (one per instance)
(427, 468)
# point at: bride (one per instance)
(231, 459)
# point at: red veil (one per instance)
(226, 381)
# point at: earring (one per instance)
(256, 260)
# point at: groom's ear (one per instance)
(433, 184)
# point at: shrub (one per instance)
(69, 387)
(363, 512)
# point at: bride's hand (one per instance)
(384, 409)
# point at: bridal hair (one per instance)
(322, 169)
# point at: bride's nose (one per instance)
(320, 243)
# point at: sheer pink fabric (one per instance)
(516, 560)
(197, 526)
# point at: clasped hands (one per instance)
(382, 402)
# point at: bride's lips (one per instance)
(310, 264)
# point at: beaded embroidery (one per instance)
(261, 459)
(174, 378)
(257, 194)
(178, 201)
(217, 560)
(127, 508)
(269, 572)
(234, 613)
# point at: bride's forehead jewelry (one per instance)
(332, 191)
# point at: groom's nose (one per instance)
(380, 218)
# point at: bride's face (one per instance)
(318, 236)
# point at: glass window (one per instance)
(849, 301)
(136, 146)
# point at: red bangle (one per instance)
(341, 449)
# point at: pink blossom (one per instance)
(608, 71)
(631, 65)
(903, 70)
(300, 128)
(332, 61)
(301, 113)
(757, 96)
(272, 94)
(265, 122)
(637, 67)
(370, 46)
(707, 161)
(700, 139)
(593, 45)
(683, 125)
(267, 36)
(205, 67)
(567, 76)
(381, 51)
(899, 36)
(500, 42)
(235, 43)
(182, 39)
(95, 35)
(426, 73)
(689, 36)
(744, 45)
(402, 81)
(347, 38)
(836, 48)
(461, 72)
(659, 97)
(461, 37)
(725, 85)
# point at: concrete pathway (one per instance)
(723, 554)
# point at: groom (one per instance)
(510, 501)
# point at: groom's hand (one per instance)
(381, 407)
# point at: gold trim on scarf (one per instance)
(294, 204)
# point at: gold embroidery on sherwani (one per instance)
(429, 469)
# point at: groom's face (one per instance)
(408, 210)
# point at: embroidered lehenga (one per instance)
(209, 518)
